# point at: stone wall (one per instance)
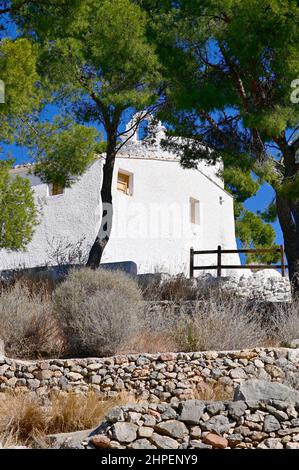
(195, 424)
(265, 285)
(164, 377)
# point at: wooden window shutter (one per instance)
(123, 183)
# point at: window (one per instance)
(56, 189)
(123, 182)
(194, 211)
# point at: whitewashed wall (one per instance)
(151, 225)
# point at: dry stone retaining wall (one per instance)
(195, 424)
(167, 377)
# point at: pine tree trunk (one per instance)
(103, 236)
(288, 215)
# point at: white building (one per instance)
(160, 211)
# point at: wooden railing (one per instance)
(219, 266)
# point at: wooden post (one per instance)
(219, 261)
(191, 262)
(283, 268)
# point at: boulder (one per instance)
(217, 424)
(68, 440)
(191, 411)
(271, 424)
(254, 390)
(172, 428)
(164, 442)
(142, 444)
(124, 432)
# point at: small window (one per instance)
(194, 211)
(123, 183)
(56, 189)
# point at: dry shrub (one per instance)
(221, 324)
(174, 289)
(25, 418)
(28, 327)
(97, 311)
(215, 391)
(180, 288)
(284, 322)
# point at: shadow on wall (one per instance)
(59, 272)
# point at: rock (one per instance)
(44, 374)
(280, 415)
(33, 383)
(195, 432)
(236, 409)
(142, 444)
(145, 431)
(3, 369)
(293, 344)
(2, 348)
(96, 379)
(169, 413)
(238, 373)
(172, 428)
(68, 440)
(74, 376)
(124, 432)
(261, 390)
(134, 417)
(167, 357)
(215, 441)
(288, 431)
(293, 356)
(267, 274)
(93, 367)
(292, 445)
(272, 443)
(115, 415)
(271, 424)
(257, 436)
(199, 445)
(274, 371)
(100, 442)
(215, 408)
(218, 424)
(164, 442)
(234, 439)
(191, 411)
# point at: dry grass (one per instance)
(284, 323)
(25, 418)
(177, 289)
(151, 343)
(221, 323)
(213, 392)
